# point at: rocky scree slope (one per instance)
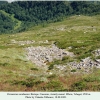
(41, 56)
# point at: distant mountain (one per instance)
(30, 13)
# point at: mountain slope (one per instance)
(31, 13)
(77, 34)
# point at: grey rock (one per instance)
(40, 55)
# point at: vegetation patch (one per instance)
(4, 64)
(51, 67)
(36, 69)
(30, 82)
(49, 23)
(54, 86)
(73, 70)
(52, 76)
(92, 79)
(79, 86)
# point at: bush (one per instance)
(30, 82)
(34, 69)
(4, 64)
(92, 79)
(79, 86)
(73, 70)
(51, 67)
(98, 57)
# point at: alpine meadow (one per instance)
(50, 46)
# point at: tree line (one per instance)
(38, 12)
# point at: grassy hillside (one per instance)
(78, 34)
(32, 13)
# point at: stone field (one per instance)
(42, 55)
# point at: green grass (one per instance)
(82, 34)
(60, 62)
(18, 23)
(89, 82)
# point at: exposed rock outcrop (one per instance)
(86, 64)
(41, 55)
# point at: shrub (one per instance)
(18, 59)
(4, 64)
(73, 70)
(98, 57)
(67, 59)
(5, 57)
(92, 79)
(28, 82)
(51, 67)
(79, 86)
(34, 69)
